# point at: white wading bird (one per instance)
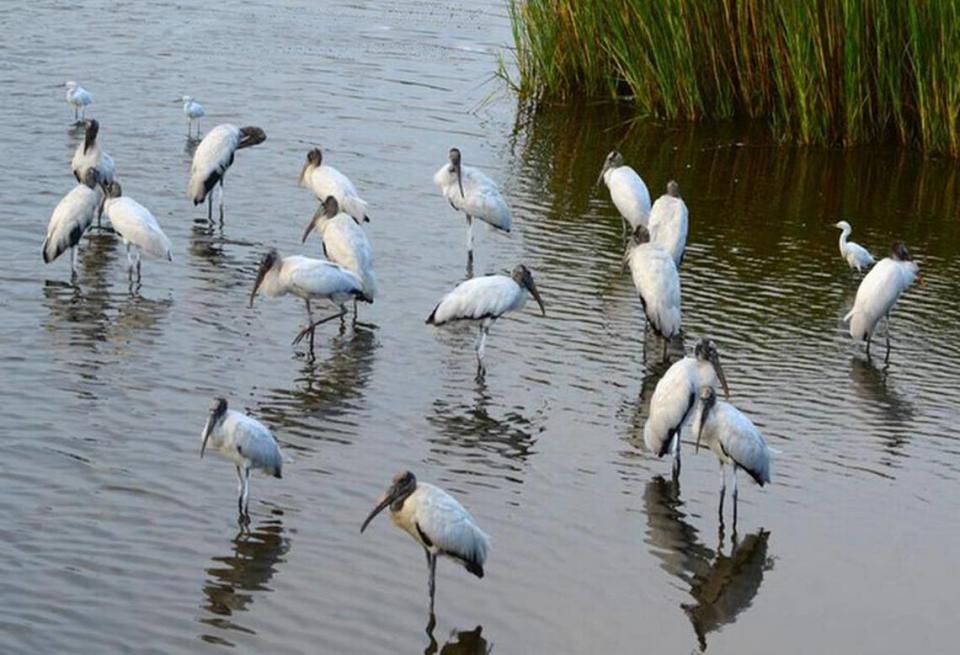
(879, 292)
(70, 219)
(437, 522)
(658, 284)
(136, 226)
(79, 97)
(468, 190)
(247, 443)
(675, 396)
(325, 180)
(194, 111)
(214, 156)
(734, 439)
(310, 279)
(485, 299)
(669, 219)
(854, 254)
(345, 243)
(90, 154)
(627, 191)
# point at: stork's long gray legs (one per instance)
(74, 271)
(676, 455)
(481, 347)
(313, 326)
(723, 489)
(886, 358)
(734, 498)
(432, 563)
(469, 246)
(221, 198)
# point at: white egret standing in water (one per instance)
(628, 191)
(214, 156)
(194, 111)
(79, 97)
(854, 254)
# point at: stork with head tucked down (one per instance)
(669, 220)
(658, 284)
(70, 219)
(627, 191)
(214, 156)
(136, 226)
(325, 180)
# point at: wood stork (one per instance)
(214, 156)
(675, 396)
(79, 97)
(485, 299)
(247, 443)
(734, 439)
(345, 243)
(310, 279)
(669, 219)
(437, 522)
(856, 256)
(194, 111)
(136, 226)
(70, 219)
(468, 190)
(658, 284)
(90, 154)
(878, 293)
(325, 180)
(627, 190)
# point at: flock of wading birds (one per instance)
(686, 394)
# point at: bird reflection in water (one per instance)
(895, 411)
(460, 643)
(232, 580)
(722, 586)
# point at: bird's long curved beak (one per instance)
(207, 429)
(600, 177)
(303, 172)
(704, 413)
(457, 170)
(385, 501)
(256, 286)
(536, 295)
(312, 224)
(723, 378)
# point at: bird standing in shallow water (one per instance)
(70, 219)
(627, 191)
(79, 97)
(856, 256)
(658, 285)
(213, 157)
(194, 111)
(325, 180)
(669, 218)
(136, 226)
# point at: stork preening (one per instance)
(325, 180)
(213, 157)
(309, 279)
(627, 191)
(247, 443)
(70, 219)
(136, 226)
(658, 285)
(878, 293)
(485, 299)
(856, 256)
(194, 111)
(90, 154)
(437, 522)
(345, 243)
(675, 397)
(79, 97)
(669, 219)
(734, 439)
(468, 190)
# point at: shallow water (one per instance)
(118, 537)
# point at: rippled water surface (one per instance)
(117, 537)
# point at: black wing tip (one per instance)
(474, 568)
(366, 219)
(432, 319)
(277, 474)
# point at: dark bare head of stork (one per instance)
(706, 351)
(326, 211)
(613, 160)
(113, 190)
(90, 133)
(404, 484)
(673, 189)
(708, 398)
(314, 159)
(251, 136)
(640, 236)
(455, 167)
(91, 178)
(267, 262)
(899, 252)
(217, 411)
(522, 276)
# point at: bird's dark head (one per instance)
(326, 211)
(113, 190)
(91, 178)
(267, 262)
(708, 399)
(900, 253)
(314, 159)
(404, 484)
(91, 130)
(613, 160)
(673, 189)
(640, 236)
(251, 136)
(218, 409)
(522, 276)
(455, 167)
(706, 351)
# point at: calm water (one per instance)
(117, 537)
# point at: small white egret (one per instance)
(854, 254)
(247, 443)
(669, 220)
(345, 243)
(214, 156)
(325, 180)
(194, 111)
(627, 191)
(79, 97)
(468, 190)
(437, 522)
(485, 299)
(70, 219)
(658, 284)
(136, 226)
(734, 439)
(879, 292)
(674, 398)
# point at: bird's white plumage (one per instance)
(77, 95)
(192, 109)
(854, 254)
(212, 158)
(94, 157)
(345, 243)
(309, 279)
(658, 285)
(488, 296)
(246, 442)
(137, 226)
(878, 293)
(669, 219)
(481, 198)
(325, 180)
(734, 439)
(70, 219)
(629, 194)
(673, 400)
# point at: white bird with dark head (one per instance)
(675, 396)
(325, 180)
(879, 292)
(90, 154)
(627, 190)
(658, 284)
(437, 522)
(79, 97)
(70, 219)
(470, 191)
(734, 439)
(856, 256)
(247, 443)
(214, 156)
(194, 111)
(485, 299)
(669, 220)
(136, 226)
